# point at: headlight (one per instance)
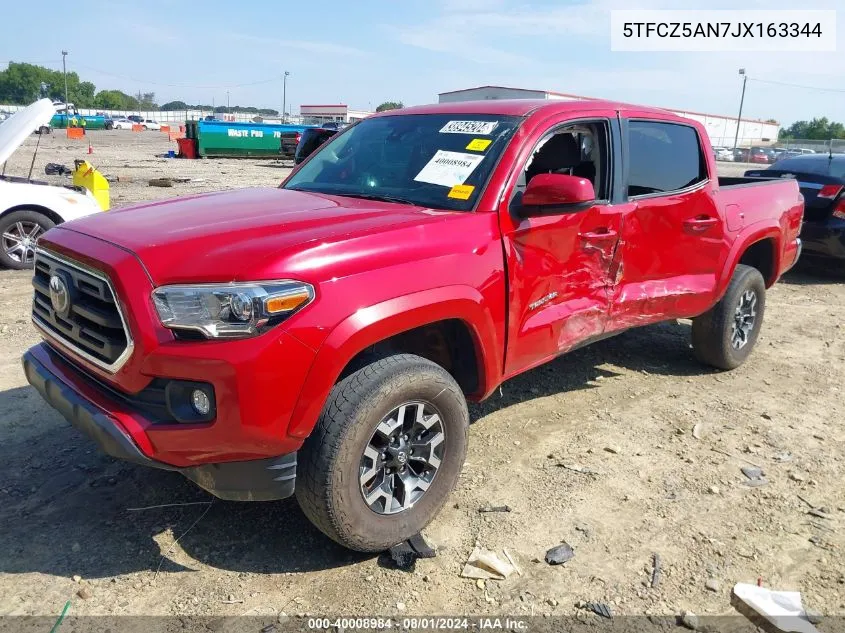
(233, 310)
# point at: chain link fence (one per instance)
(754, 152)
(835, 146)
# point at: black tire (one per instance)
(145, 128)
(9, 225)
(713, 332)
(328, 488)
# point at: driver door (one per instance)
(559, 266)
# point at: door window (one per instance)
(663, 157)
(580, 149)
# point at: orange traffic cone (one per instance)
(90, 149)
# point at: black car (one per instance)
(300, 145)
(310, 140)
(821, 178)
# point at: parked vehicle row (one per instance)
(323, 338)
(762, 155)
(146, 124)
(723, 154)
(123, 123)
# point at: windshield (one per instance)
(441, 161)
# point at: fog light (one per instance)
(200, 402)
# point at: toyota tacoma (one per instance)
(322, 338)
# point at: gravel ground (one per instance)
(623, 449)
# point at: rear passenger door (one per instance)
(673, 234)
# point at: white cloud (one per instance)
(567, 49)
(308, 46)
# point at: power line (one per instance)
(783, 83)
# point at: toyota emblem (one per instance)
(59, 295)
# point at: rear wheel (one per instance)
(725, 335)
(20, 231)
(385, 454)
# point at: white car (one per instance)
(723, 153)
(29, 208)
(123, 123)
(149, 124)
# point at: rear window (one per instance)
(820, 165)
(664, 157)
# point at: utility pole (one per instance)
(285, 96)
(741, 101)
(228, 108)
(64, 71)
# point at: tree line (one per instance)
(21, 84)
(818, 129)
(181, 105)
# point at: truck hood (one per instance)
(17, 128)
(231, 235)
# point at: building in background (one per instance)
(338, 113)
(720, 128)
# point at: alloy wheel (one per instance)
(402, 458)
(20, 239)
(745, 317)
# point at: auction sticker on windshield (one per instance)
(479, 144)
(449, 168)
(461, 192)
(469, 127)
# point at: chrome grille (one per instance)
(93, 325)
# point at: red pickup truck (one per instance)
(322, 338)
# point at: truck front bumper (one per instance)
(252, 480)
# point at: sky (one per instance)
(366, 52)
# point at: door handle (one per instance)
(599, 235)
(700, 223)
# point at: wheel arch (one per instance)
(37, 208)
(399, 325)
(760, 248)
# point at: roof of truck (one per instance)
(523, 107)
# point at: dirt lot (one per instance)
(624, 409)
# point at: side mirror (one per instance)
(548, 194)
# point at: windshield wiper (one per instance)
(377, 197)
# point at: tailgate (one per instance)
(821, 192)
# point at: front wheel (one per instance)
(385, 454)
(725, 335)
(20, 231)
